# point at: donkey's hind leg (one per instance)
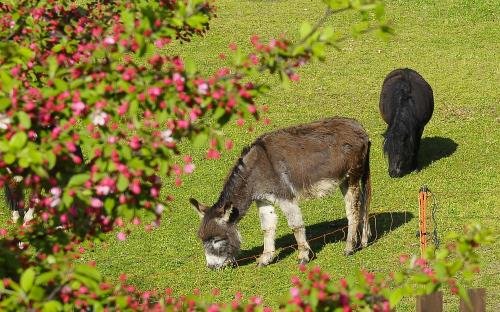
(365, 237)
(351, 192)
(295, 222)
(268, 223)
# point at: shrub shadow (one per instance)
(433, 149)
(329, 232)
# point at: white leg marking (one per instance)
(294, 218)
(15, 216)
(29, 215)
(268, 223)
(351, 198)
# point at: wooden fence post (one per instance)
(477, 298)
(430, 303)
(422, 205)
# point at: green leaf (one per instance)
(24, 119)
(60, 84)
(109, 204)
(52, 66)
(46, 277)
(200, 139)
(396, 296)
(88, 271)
(9, 158)
(18, 140)
(52, 306)
(78, 179)
(122, 183)
(27, 279)
(37, 293)
(305, 29)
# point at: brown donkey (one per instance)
(280, 168)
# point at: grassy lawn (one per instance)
(454, 44)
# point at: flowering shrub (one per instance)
(91, 75)
(77, 286)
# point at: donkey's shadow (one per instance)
(329, 232)
(433, 149)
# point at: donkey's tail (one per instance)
(366, 194)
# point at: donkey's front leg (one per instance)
(294, 218)
(268, 222)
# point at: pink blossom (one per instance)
(102, 190)
(56, 191)
(189, 168)
(4, 121)
(121, 236)
(96, 203)
(109, 40)
(159, 209)
(183, 124)
(203, 88)
(99, 118)
(166, 136)
(3, 232)
(122, 109)
(213, 154)
(213, 308)
(240, 122)
(177, 78)
(228, 144)
(78, 107)
(63, 218)
(136, 187)
(154, 92)
(294, 292)
(135, 143)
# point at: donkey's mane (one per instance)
(236, 175)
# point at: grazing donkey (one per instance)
(406, 105)
(280, 168)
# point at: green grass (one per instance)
(453, 44)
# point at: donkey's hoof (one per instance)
(349, 252)
(264, 260)
(303, 261)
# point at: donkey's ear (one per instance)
(200, 208)
(231, 213)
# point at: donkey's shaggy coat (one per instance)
(406, 105)
(280, 168)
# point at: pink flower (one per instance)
(203, 88)
(159, 209)
(189, 168)
(3, 232)
(135, 143)
(213, 154)
(154, 92)
(102, 190)
(166, 136)
(294, 292)
(121, 236)
(109, 40)
(240, 122)
(122, 109)
(78, 107)
(63, 218)
(183, 124)
(96, 203)
(99, 118)
(56, 191)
